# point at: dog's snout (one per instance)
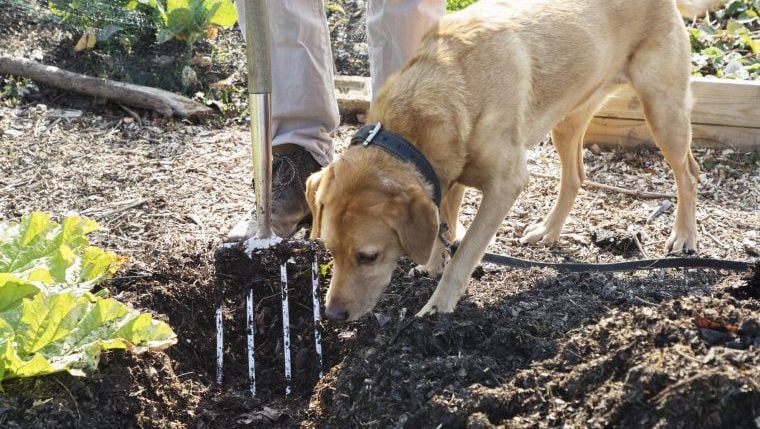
(337, 314)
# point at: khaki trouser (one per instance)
(304, 108)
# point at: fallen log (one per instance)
(164, 102)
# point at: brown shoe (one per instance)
(291, 166)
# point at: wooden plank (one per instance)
(716, 102)
(354, 94)
(632, 132)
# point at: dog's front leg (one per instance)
(450, 205)
(495, 204)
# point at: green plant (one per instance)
(334, 7)
(745, 11)
(50, 320)
(190, 20)
(455, 5)
(727, 44)
(13, 89)
(101, 20)
(753, 158)
(324, 268)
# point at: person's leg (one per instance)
(394, 29)
(304, 107)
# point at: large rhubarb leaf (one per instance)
(64, 332)
(49, 321)
(55, 255)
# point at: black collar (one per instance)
(397, 146)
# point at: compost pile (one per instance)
(530, 348)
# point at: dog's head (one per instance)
(368, 214)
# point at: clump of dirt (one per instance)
(623, 243)
(128, 391)
(236, 274)
(645, 367)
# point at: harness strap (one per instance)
(397, 146)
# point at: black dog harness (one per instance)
(397, 146)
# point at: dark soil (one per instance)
(524, 348)
(570, 350)
(347, 20)
(236, 272)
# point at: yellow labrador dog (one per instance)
(485, 84)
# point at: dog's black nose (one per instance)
(336, 314)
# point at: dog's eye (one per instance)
(365, 258)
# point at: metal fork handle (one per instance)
(260, 106)
(257, 47)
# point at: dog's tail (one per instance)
(692, 8)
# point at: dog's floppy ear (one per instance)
(417, 227)
(312, 186)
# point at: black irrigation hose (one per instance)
(642, 264)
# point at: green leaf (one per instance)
(13, 290)
(39, 249)
(180, 21)
(49, 321)
(335, 7)
(46, 321)
(164, 35)
(225, 14)
(455, 5)
(177, 4)
(67, 333)
(324, 267)
(188, 19)
(754, 45)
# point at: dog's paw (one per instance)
(426, 310)
(540, 233)
(433, 268)
(418, 271)
(681, 244)
(435, 306)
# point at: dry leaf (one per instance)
(705, 323)
(86, 42)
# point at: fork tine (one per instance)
(315, 304)
(219, 331)
(249, 329)
(285, 325)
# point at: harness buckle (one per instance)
(372, 134)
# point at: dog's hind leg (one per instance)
(567, 137)
(661, 80)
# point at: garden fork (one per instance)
(259, 101)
